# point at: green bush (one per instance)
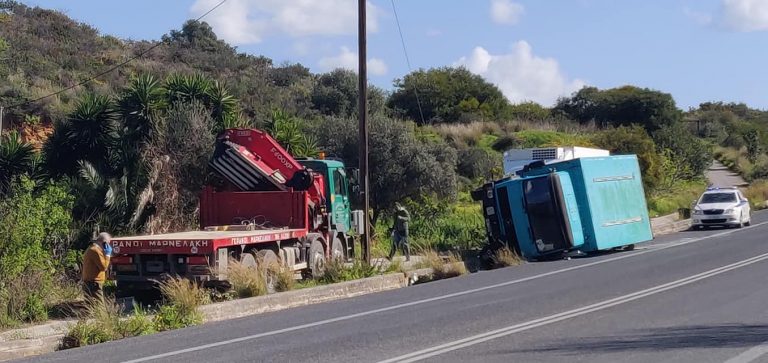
(170, 317)
(34, 225)
(540, 138)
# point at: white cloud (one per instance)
(521, 75)
(377, 67)
(250, 21)
(434, 32)
(506, 11)
(745, 15)
(348, 59)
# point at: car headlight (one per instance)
(729, 211)
(698, 211)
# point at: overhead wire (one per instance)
(408, 61)
(110, 70)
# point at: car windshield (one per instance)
(711, 198)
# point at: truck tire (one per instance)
(337, 250)
(248, 260)
(268, 264)
(317, 258)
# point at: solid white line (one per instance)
(498, 333)
(750, 355)
(424, 301)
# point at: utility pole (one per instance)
(362, 114)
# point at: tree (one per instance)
(401, 166)
(444, 95)
(634, 140)
(685, 150)
(754, 149)
(626, 106)
(475, 163)
(335, 94)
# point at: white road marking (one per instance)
(498, 333)
(429, 300)
(750, 355)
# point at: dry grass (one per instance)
(102, 322)
(187, 296)
(757, 193)
(468, 134)
(505, 258)
(443, 267)
(246, 281)
(284, 280)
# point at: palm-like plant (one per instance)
(16, 158)
(92, 130)
(186, 88)
(139, 106)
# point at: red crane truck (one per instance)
(272, 208)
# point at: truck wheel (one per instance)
(337, 250)
(268, 264)
(317, 258)
(248, 260)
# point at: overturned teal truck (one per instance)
(551, 209)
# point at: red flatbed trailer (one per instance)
(199, 242)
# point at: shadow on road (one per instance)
(697, 336)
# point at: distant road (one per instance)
(687, 297)
(719, 175)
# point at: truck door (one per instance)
(549, 221)
(340, 203)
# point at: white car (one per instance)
(726, 207)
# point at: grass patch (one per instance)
(443, 267)
(670, 201)
(505, 257)
(102, 322)
(337, 271)
(757, 193)
(246, 281)
(284, 280)
(182, 298)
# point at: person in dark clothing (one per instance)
(400, 232)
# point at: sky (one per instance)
(533, 50)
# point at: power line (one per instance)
(407, 60)
(110, 70)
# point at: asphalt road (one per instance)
(688, 297)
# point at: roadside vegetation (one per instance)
(128, 154)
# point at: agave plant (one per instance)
(139, 105)
(16, 158)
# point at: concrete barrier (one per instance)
(45, 338)
(262, 304)
(668, 224)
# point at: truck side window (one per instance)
(338, 182)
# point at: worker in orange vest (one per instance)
(95, 263)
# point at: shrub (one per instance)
(246, 281)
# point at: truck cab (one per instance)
(337, 188)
